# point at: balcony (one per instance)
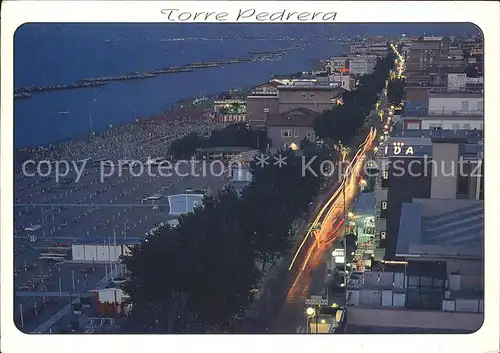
(455, 112)
(381, 194)
(381, 224)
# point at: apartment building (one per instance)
(308, 94)
(379, 49)
(259, 104)
(345, 81)
(425, 53)
(337, 63)
(459, 82)
(362, 65)
(456, 103)
(358, 49)
(288, 129)
(416, 164)
(444, 109)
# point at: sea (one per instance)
(46, 54)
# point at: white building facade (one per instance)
(456, 103)
(362, 65)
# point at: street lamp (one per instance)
(310, 314)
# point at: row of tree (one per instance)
(199, 275)
(344, 122)
(234, 135)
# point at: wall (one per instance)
(96, 252)
(290, 99)
(445, 156)
(393, 317)
(298, 134)
(403, 189)
(453, 105)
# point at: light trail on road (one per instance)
(328, 223)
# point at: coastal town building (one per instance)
(259, 105)
(337, 63)
(379, 49)
(289, 129)
(308, 94)
(460, 82)
(442, 294)
(362, 65)
(419, 159)
(345, 81)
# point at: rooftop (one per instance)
(295, 117)
(314, 87)
(438, 227)
(473, 136)
(234, 149)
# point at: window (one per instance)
(384, 205)
(382, 235)
(286, 133)
(466, 126)
(311, 95)
(465, 105)
(435, 126)
(295, 133)
(303, 95)
(480, 106)
(455, 126)
(285, 146)
(386, 174)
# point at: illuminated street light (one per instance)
(381, 138)
(323, 321)
(310, 311)
(363, 182)
(375, 149)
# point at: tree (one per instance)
(395, 91)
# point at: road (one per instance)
(307, 268)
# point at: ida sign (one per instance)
(397, 150)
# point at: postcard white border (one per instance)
(483, 14)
